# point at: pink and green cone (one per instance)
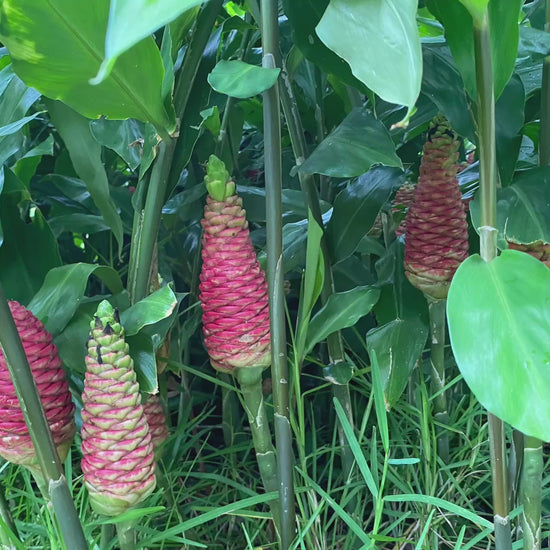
(436, 239)
(117, 452)
(15, 442)
(233, 288)
(402, 201)
(156, 420)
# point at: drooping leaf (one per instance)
(356, 208)
(131, 22)
(398, 345)
(303, 16)
(57, 47)
(85, 153)
(353, 147)
(29, 249)
(240, 79)
(125, 137)
(77, 223)
(142, 352)
(154, 308)
(389, 61)
(499, 325)
(312, 284)
(341, 310)
(503, 26)
(63, 290)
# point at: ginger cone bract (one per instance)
(156, 420)
(436, 239)
(233, 288)
(53, 388)
(117, 452)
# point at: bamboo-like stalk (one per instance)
(544, 137)
(436, 309)
(107, 534)
(126, 535)
(531, 492)
(334, 341)
(250, 381)
(39, 430)
(279, 365)
(488, 249)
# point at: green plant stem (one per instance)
(126, 535)
(149, 221)
(279, 366)
(39, 430)
(250, 381)
(531, 492)
(5, 540)
(437, 360)
(488, 249)
(107, 535)
(334, 341)
(544, 138)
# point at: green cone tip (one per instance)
(104, 315)
(217, 179)
(440, 126)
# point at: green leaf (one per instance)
(303, 16)
(476, 8)
(29, 249)
(379, 402)
(125, 137)
(142, 352)
(522, 209)
(504, 30)
(131, 22)
(57, 47)
(211, 120)
(240, 79)
(353, 147)
(389, 60)
(498, 326)
(341, 310)
(397, 345)
(154, 308)
(356, 208)
(85, 155)
(312, 284)
(77, 223)
(63, 290)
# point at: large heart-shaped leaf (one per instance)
(240, 79)
(353, 147)
(356, 208)
(389, 60)
(398, 345)
(57, 47)
(340, 311)
(130, 22)
(499, 322)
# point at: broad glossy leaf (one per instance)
(125, 137)
(356, 208)
(509, 121)
(29, 249)
(389, 61)
(77, 223)
(240, 79)
(303, 16)
(499, 321)
(142, 352)
(57, 47)
(154, 308)
(63, 291)
(398, 345)
(503, 25)
(353, 147)
(476, 8)
(534, 43)
(522, 209)
(85, 153)
(131, 22)
(340, 311)
(442, 83)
